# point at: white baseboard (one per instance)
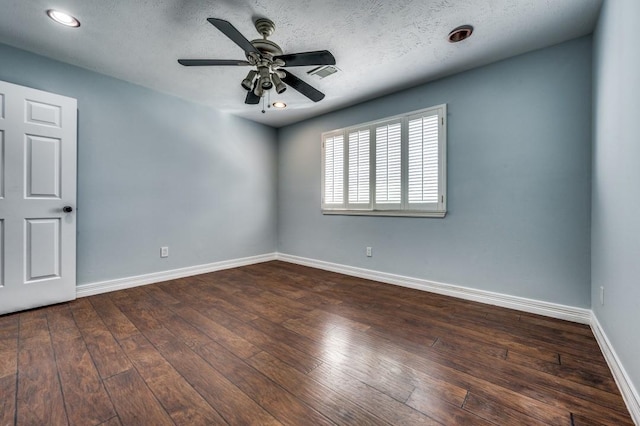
(628, 391)
(569, 313)
(90, 289)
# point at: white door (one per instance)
(38, 133)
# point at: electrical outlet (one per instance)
(164, 251)
(602, 295)
(369, 254)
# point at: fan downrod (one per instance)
(267, 48)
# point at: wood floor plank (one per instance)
(280, 403)
(571, 327)
(189, 334)
(327, 401)
(230, 340)
(114, 421)
(34, 328)
(282, 350)
(60, 318)
(585, 377)
(134, 402)
(363, 361)
(580, 420)
(139, 312)
(161, 296)
(105, 351)
(442, 411)
(116, 321)
(591, 366)
(39, 396)
(86, 400)
(452, 343)
(372, 400)
(233, 404)
(8, 390)
(258, 387)
(499, 414)
(9, 351)
(199, 295)
(183, 403)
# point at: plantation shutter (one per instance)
(334, 170)
(388, 166)
(423, 161)
(359, 167)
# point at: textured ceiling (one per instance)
(380, 46)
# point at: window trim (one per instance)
(404, 208)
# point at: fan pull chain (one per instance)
(268, 96)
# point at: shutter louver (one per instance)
(333, 170)
(388, 164)
(359, 167)
(423, 160)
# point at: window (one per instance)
(393, 167)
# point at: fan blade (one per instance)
(319, 57)
(302, 87)
(252, 98)
(210, 62)
(230, 31)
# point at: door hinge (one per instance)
(442, 119)
(442, 198)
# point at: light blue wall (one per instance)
(154, 170)
(615, 262)
(519, 177)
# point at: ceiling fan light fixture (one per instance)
(460, 33)
(279, 104)
(258, 91)
(247, 83)
(265, 78)
(280, 86)
(63, 18)
(265, 83)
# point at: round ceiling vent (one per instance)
(460, 33)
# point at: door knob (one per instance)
(67, 209)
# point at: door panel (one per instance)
(1, 253)
(43, 114)
(42, 244)
(43, 167)
(38, 132)
(1, 163)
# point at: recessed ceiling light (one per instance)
(63, 18)
(279, 104)
(460, 33)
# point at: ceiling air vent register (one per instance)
(323, 71)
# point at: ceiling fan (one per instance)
(268, 59)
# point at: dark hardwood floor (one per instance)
(277, 343)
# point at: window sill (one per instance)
(397, 213)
